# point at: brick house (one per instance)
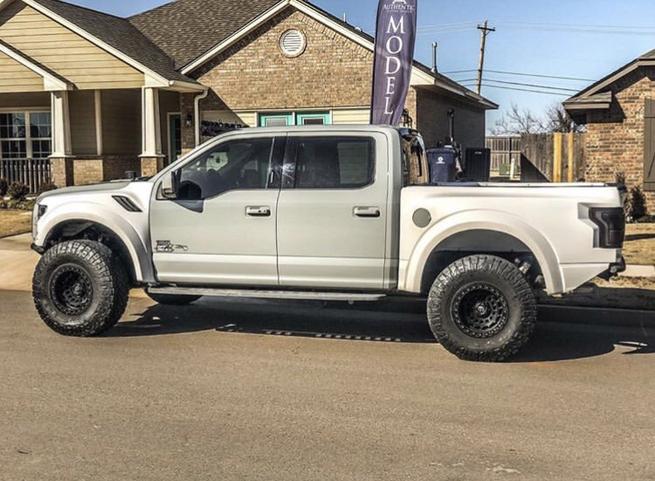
(86, 96)
(619, 112)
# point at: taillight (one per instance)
(611, 226)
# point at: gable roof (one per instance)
(181, 27)
(596, 94)
(51, 80)
(185, 29)
(115, 35)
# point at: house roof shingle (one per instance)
(120, 34)
(185, 29)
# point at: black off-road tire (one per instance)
(80, 288)
(482, 308)
(171, 299)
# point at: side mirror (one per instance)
(168, 188)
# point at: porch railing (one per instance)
(32, 172)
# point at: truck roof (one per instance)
(324, 128)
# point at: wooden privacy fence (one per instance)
(559, 157)
(32, 172)
(505, 156)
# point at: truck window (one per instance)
(238, 164)
(334, 162)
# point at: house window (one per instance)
(287, 119)
(25, 135)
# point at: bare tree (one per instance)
(517, 122)
(558, 120)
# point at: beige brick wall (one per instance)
(615, 138)
(333, 73)
(254, 74)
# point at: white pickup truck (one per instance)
(335, 213)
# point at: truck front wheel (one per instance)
(481, 308)
(80, 289)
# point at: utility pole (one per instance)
(484, 31)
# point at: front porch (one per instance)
(82, 137)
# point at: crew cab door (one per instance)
(332, 212)
(220, 230)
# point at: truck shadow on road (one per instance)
(561, 334)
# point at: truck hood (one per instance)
(86, 189)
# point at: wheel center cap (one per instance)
(481, 309)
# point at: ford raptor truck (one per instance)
(332, 213)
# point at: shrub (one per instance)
(47, 187)
(636, 207)
(18, 191)
(4, 186)
(24, 204)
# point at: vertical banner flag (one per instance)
(394, 53)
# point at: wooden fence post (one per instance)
(571, 164)
(557, 157)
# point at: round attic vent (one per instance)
(293, 43)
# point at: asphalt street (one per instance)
(306, 391)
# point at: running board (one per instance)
(259, 294)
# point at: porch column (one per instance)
(152, 160)
(61, 160)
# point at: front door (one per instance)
(221, 228)
(332, 213)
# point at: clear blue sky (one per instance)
(573, 38)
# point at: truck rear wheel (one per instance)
(481, 308)
(172, 299)
(80, 289)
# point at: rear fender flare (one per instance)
(501, 222)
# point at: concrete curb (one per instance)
(639, 271)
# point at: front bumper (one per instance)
(614, 269)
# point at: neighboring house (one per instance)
(104, 95)
(619, 112)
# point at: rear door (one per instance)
(332, 211)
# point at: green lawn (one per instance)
(14, 222)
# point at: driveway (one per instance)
(304, 391)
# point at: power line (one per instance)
(540, 86)
(504, 72)
(525, 90)
(553, 27)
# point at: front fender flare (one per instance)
(97, 214)
(501, 222)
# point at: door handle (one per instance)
(258, 211)
(367, 212)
